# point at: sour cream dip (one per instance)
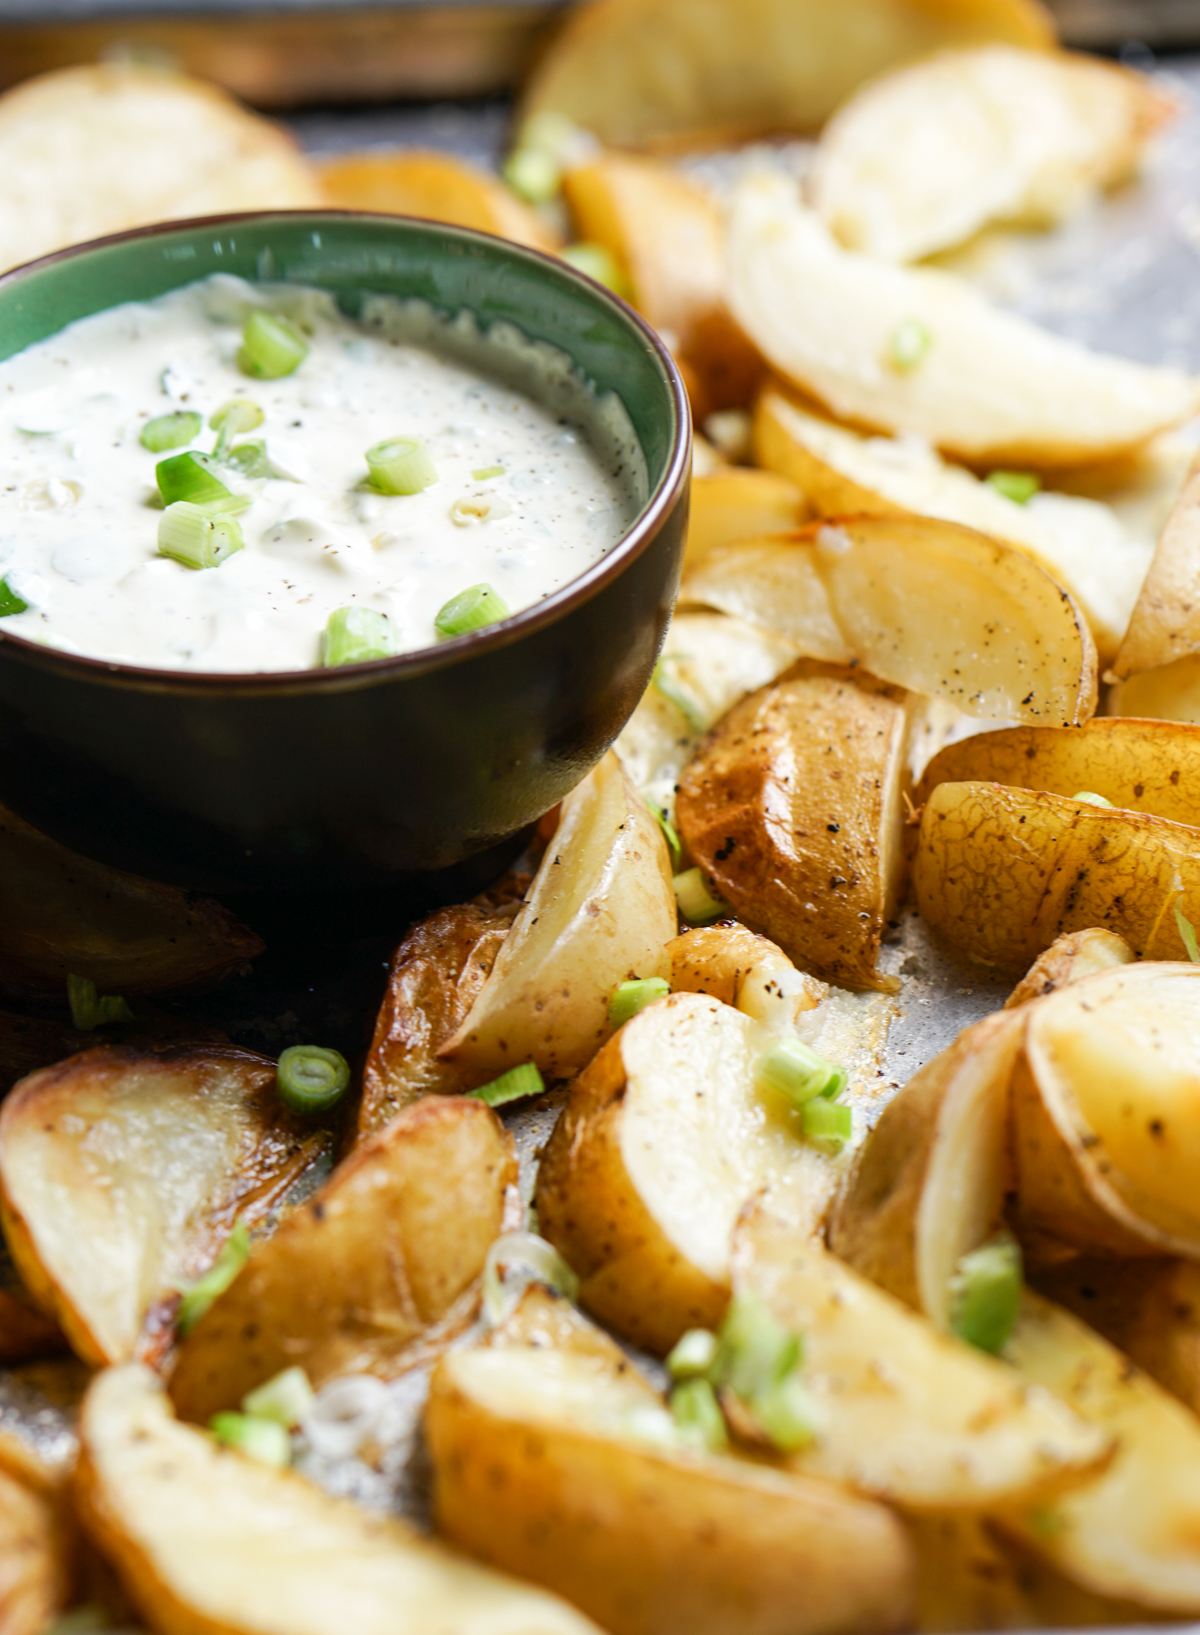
(534, 477)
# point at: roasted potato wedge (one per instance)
(1000, 873)
(435, 186)
(206, 1540)
(601, 909)
(923, 158)
(122, 1173)
(740, 502)
(1165, 624)
(744, 970)
(919, 350)
(35, 1558)
(539, 1469)
(924, 604)
(1070, 958)
(906, 1413)
(669, 74)
(1169, 694)
(792, 807)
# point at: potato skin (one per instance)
(791, 806)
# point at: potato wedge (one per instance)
(122, 1173)
(922, 158)
(1000, 873)
(35, 1559)
(434, 186)
(539, 1470)
(977, 382)
(1088, 545)
(792, 807)
(744, 970)
(924, 604)
(388, 1247)
(740, 503)
(1169, 694)
(601, 909)
(671, 74)
(206, 1540)
(1070, 958)
(1165, 624)
(906, 1413)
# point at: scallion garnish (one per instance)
(799, 1073)
(827, 1125)
(311, 1079)
(539, 1260)
(400, 465)
(1188, 933)
(515, 1085)
(693, 1355)
(91, 1010)
(1091, 799)
(485, 472)
(533, 174)
(985, 1294)
(667, 683)
(1018, 486)
(286, 1398)
(754, 1350)
(697, 1415)
(907, 345)
(200, 1295)
(662, 814)
(271, 347)
(632, 997)
(785, 1414)
(598, 262)
(249, 458)
(355, 635)
(190, 477)
(264, 1440)
(696, 902)
(188, 534)
(167, 431)
(238, 415)
(10, 602)
(471, 609)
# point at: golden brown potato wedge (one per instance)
(388, 1247)
(122, 1174)
(1070, 958)
(1000, 873)
(601, 910)
(204, 1539)
(921, 603)
(744, 970)
(1169, 694)
(1165, 625)
(903, 1412)
(792, 806)
(35, 1558)
(922, 158)
(669, 73)
(916, 349)
(540, 1469)
(434, 186)
(740, 502)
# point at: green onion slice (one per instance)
(632, 997)
(485, 472)
(200, 1295)
(653, 796)
(89, 1010)
(249, 458)
(597, 261)
(271, 347)
(287, 1398)
(696, 902)
(311, 1079)
(400, 465)
(985, 1294)
(515, 1085)
(1188, 933)
(533, 174)
(190, 477)
(1091, 799)
(167, 431)
(785, 1414)
(188, 534)
(666, 681)
(236, 416)
(827, 1125)
(536, 1260)
(799, 1073)
(1018, 486)
(907, 345)
(471, 609)
(355, 635)
(10, 602)
(265, 1441)
(697, 1415)
(754, 1350)
(693, 1355)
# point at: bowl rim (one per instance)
(420, 660)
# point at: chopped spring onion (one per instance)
(985, 1293)
(400, 465)
(486, 472)
(89, 1010)
(471, 609)
(1091, 799)
(10, 602)
(697, 1415)
(1018, 486)
(908, 344)
(632, 997)
(354, 635)
(265, 1441)
(693, 1356)
(167, 431)
(785, 1414)
(1188, 932)
(662, 814)
(271, 347)
(249, 458)
(754, 1351)
(533, 174)
(515, 1085)
(310, 1079)
(538, 1260)
(827, 1125)
(696, 902)
(667, 683)
(287, 1398)
(190, 477)
(200, 1296)
(188, 534)
(799, 1073)
(597, 261)
(238, 415)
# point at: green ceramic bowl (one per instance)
(371, 775)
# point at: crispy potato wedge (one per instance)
(921, 603)
(206, 1540)
(906, 1413)
(1165, 624)
(1000, 873)
(1070, 958)
(35, 1559)
(387, 1248)
(977, 382)
(601, 909)
(740, 502)
(122, 1173)
(792, 807)
(1099, 553)
(539, 1469)
(744, 970)
(672, 74)
(922, 158)
(1169, 694)
(434, 186)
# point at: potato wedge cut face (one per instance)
(203, 1538)
(740, 503)
(924, 604)
(435, 186)
(987, 386)
(1169, 694)
(1165, 624)
(122, 1173)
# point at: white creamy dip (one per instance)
(80, 509)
